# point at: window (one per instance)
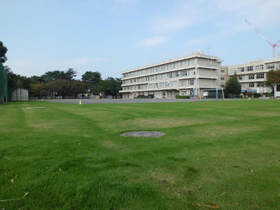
(161, 84)
(260, 76)
(191, 62)
(169, 75)
(222, 78)
(240, 69)
(177, 65)
(184, 73)
(158, 68)
(222, 86)
(222, 71)
(232, 71)
(251, 76)
(192, 82)
(151, 85)
(251, 84)
(270, 66)
(174, 83)
(183, 82)
(259, 67)
(184, 63)
(183, 93)
(164, 76)
(156, 85)
(192, 72)
(240, 77)
(260, 84)
(177, 74)
(163, 67)
(249, 68)
(166, 84)
(158, 77)
(169, 66)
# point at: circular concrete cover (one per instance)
(143, 134)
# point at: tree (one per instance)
(232, 87)
(111, 86)
(92, 79)
(52, 75)
(59, 86)
(56, 74)
(69, 74)
(77, 87)
(3, 51)
(272, 79)
(38, 90)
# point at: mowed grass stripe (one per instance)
(70, 156)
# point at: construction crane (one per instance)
(262, 36)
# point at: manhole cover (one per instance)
(143, 134)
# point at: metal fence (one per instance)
(3, 85)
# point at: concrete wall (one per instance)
(20, 94)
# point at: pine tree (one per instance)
(233, 87)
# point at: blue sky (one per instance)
(112, 36)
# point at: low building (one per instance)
(188, 75)
(252, 75)
(20, 94)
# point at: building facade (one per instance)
(186, 76)
(252, 75)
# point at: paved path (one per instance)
(123, 101)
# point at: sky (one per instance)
(112, 36)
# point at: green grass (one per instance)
(70, 156)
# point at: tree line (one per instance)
(61, 83)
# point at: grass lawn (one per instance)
(67, 156)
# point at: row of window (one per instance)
(175, 74)
(256, 67)
(253, 84)
(170, 66)
(251, 76)
(190, 82)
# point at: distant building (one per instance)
(188, 75)
(252, 75)
(20, 94)
(193, 74)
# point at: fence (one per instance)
(3, 85)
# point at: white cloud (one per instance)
(153, 41)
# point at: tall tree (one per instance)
(59, 86)
(38, 90)
(69, 74)
(92, 79)
(232, 87)
(111, 86)
(273, 79)
(3, 51)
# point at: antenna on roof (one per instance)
(209, 47)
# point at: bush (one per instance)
(268, 94)
(182, 97)
(256, 95)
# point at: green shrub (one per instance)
(182, 97)
(256, 95)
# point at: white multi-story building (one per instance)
(188, 75)
(252, 75)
